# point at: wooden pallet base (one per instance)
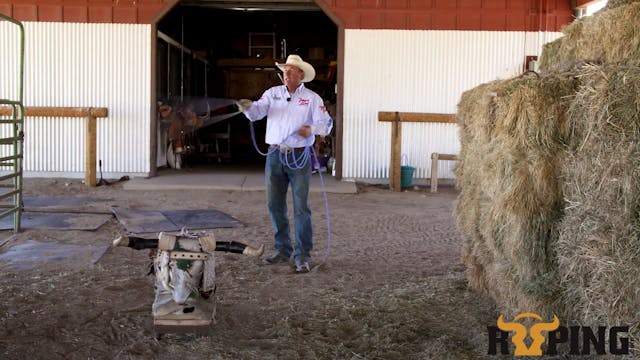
(191, 323)
(173, 324)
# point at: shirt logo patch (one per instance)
(304, 102)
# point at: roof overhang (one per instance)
(255, 5)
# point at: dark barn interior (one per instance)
(210, 53)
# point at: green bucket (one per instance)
(406, 176)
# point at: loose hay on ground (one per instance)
(410, 319)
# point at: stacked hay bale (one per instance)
(610, 36)
(615, 3)
(512, 135)
(599, 244)
(549, 178)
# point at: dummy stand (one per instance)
(185, 289)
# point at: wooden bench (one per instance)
(434, 167)
(397, 118)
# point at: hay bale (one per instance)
(616, 3)
(611, 35)
(557, 53)
(599, 243)
(549, 178)
(512, 135)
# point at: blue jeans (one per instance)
(278, 176)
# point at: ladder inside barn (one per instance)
(11, 121)
(262, 45)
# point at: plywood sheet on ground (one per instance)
(56, 221)
(35, 254)
(151, 221)
(201, 219)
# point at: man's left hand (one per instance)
(305, 131)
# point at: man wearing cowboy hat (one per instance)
(294, 115)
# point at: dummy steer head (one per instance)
(184, 267)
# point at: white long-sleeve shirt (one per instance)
(287, 113)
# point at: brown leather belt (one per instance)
(285, 148)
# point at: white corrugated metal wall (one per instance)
(84, 65)
(418, 71)
(9, 65)
(108, 65)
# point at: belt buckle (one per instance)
(285, 149)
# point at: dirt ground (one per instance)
(392, 286)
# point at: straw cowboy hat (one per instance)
(295, 60)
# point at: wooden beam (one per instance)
(438, 156)
(45, 111)
(90, 114)
(417, 117)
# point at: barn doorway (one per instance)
(210, 53)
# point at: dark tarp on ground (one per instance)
(56, 221)
(150, 221)
(32, 254)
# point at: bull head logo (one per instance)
(521, 332)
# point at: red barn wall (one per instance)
(488, 15)
(84, 11)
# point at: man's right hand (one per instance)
(244, 104)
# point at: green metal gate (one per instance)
(11, 138)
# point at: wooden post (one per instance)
(434, 172)
(90, 150)
(90, 115)
(396, 154)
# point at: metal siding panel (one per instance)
(418, 71)
(9, 61)
(86, 65)
(9, 77)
